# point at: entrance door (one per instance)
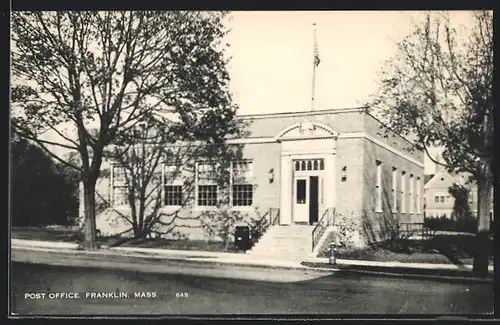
(313, 199)
(305, 206)
(301, 200)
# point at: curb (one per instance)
(440, 278)
(413, 273)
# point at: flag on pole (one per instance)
(316, 52)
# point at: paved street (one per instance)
(188, 288)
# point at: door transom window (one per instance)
(309, 164)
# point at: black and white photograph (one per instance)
(251, 163)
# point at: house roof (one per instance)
(444, 179)
(427, 178)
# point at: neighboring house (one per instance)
(438, 200)
(302, 164)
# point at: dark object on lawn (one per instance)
(242, 237)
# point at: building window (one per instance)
(403, 192)
(207, 195)
(173, 195)
(172, 180)
(206, 184)
(436, 199)
(442, 199)
(394, 189)
(419, 206)
(312, 164)
(378, 188)
(301, 191)
(119, 186)
(412, 195)
(242, 183)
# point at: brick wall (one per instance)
(372, 126)
(340, 120)
(186, 221)
(349, 198)
(378, 225)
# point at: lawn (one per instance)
(60, 234)
(457, 249)
(193, 245)
(71, 236)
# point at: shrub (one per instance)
(221, 224)
(348, 230)
(445, 224)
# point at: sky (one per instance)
(272, 53)
(272, 56)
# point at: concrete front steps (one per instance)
(285, 243)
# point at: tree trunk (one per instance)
(89, 229)
(482, 245)
(139, 232)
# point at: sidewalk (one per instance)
(313, 263)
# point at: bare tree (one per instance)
(107, 71)
(438, 88)
(142, 153)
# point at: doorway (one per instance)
(305, 206)
(313, 202)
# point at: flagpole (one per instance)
(314, 67)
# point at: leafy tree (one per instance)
(74, 72)
(438, 89)
(43, 192)
(461, 208)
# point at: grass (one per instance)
(457, 249)
(193, 245)
(71, 236)
(41, 233)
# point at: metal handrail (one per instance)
(273, 220)
(267, 220)
(411, 228)
(327, 219)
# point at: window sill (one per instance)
(205, 208)
(171, 207)
(242, 208)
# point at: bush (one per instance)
(445, 224)
(348, 231)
